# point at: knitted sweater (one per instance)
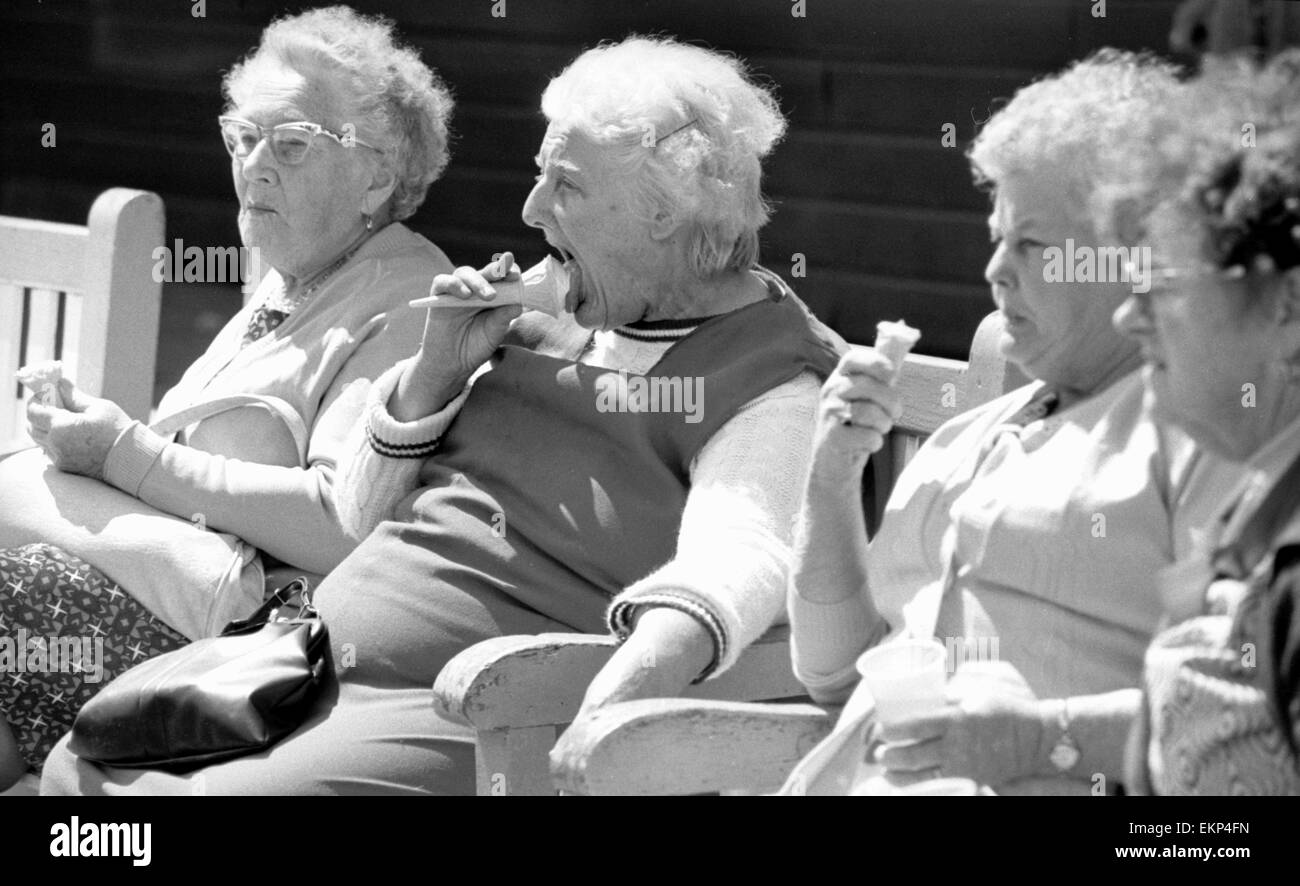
(733, 549)
(321, 361)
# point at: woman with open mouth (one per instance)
(509, 493)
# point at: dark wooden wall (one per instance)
(885, 215)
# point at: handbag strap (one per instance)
(281, 597)
(169, 425)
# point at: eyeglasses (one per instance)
(1165, 278)
(290, 142)
(1162, 282)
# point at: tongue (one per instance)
(574, 296)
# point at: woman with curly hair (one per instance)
(1027, 530)
(1220, 336)
(335, 133)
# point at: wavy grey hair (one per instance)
(1227, 162)
(1084, 124)
(690, 126)
(395, 100)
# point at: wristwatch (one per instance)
(1065, 753)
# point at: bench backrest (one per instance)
(85, 295)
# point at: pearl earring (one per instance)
(370, 222)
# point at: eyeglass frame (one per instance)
(1163, 277)
(263, 132)
(1167, 275)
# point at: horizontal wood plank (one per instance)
(42, 254)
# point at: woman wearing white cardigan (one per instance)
(335, 134)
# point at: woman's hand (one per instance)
(78, 437)
(991, 730)
(858, 408)
(666, 650)
(456, 342)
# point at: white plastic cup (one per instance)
(940, 787)
(905, 678)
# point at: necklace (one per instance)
(288, 303)
(278, 304)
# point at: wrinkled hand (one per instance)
(456, 342)
(77, 438)
(990, 730)
(665, 652)
(859, 405)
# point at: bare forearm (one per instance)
(663, 654)
(418, 395)
(1099, 725)
(832, 616)
(830, 544)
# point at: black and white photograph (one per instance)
(500, 398)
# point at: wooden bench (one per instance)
(85, 295)
(520, 692)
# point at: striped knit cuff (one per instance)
(133, 454)
(400, 450)
(405, 439)
(623, 613)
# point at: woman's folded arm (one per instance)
(291, 513)
(287, 512)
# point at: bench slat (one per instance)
(43, 254)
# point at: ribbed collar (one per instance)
(660, 330)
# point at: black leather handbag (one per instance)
(215, 699)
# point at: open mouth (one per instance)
(573, 298)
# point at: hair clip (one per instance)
(689, 123)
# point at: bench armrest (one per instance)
(685, 746)
(540, 680)
(519, 692)
(520, 681)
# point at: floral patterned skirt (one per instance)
(65, 630)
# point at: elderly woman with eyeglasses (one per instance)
(335, 133)
(1220, 336)
(557, 500)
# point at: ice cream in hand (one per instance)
(895, 340)
(43, 379)
(540, 288)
